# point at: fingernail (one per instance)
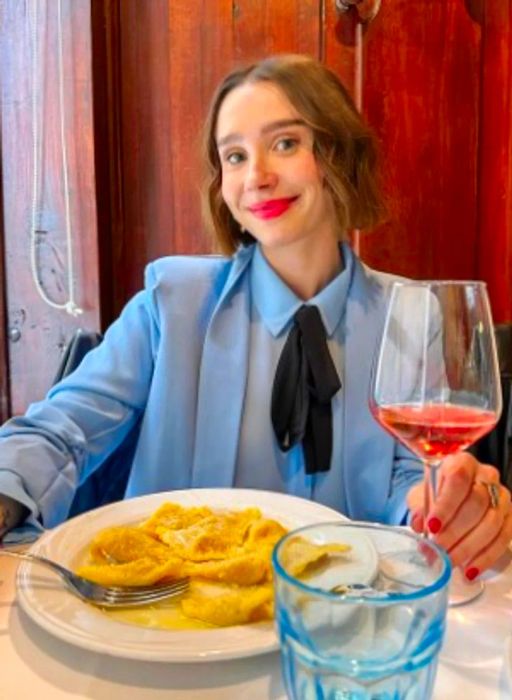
(434, 525)
(471, 573)
(416, 520)
(428, 552)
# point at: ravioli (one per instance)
(226, 555)
(224, 605)
(299, 555)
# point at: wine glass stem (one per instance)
(429, 492)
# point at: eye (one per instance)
(287, 143)
(233, 157)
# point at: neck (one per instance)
(306, 269)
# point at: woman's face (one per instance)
(271, 181)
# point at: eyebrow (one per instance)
(268, 128)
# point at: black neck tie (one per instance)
(305, 382)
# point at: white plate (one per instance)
(43, 598)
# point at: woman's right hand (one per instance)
(12, 513)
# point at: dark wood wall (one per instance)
(494, 253)
(434, 78)
(421, 93)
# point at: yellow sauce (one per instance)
(165, 615)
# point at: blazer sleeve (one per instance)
(60, 440)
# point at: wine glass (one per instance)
(435, 381)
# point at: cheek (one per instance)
(310, 174)
(228, 190)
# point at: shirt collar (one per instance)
(277, 303)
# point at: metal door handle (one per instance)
(366, 9)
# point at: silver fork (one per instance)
(106, 596)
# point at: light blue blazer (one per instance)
(178, 356)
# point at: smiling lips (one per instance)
(272, 208)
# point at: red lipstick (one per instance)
(272, 208)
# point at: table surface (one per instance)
(35, 664)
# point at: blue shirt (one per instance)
(272, 308)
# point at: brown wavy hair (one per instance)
(344, 145)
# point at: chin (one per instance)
(278, 241)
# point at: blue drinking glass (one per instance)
(362, 624)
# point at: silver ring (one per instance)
(493, 490)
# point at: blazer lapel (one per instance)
(222, 381)
(366, 444)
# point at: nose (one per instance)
(259, 174)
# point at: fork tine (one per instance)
(123, 601)
(149, 595)
(171, 585)
(114, 596)
(120, 596)
(137, 591)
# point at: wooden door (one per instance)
(49, 247)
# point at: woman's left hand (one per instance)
(464, 520)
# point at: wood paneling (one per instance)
(171, 57)
(338, 48)
(263, 27)
(107, 116)
(494, 251)
(167, 63)
(44, 331)
(4, 366)
(199, 50)
(421, 93)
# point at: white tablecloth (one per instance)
(33, 664)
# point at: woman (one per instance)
(210, 353)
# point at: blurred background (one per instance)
(100, 114)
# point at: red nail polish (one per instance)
(434, 525)
(472, 573)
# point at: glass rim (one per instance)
(438, 283)
(390, 598)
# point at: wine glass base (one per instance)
(461, 591)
